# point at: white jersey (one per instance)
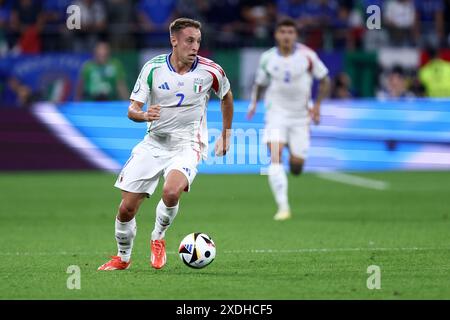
(183, 99)
(289, 80)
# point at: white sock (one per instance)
(125, 233)
(164, 217)
(279, 185)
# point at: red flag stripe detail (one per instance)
(207, 61)
(215, 84)
(213, 65)
(310, 64)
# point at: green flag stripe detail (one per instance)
(150, 77)
(157, 60)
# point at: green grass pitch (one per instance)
(52, 220)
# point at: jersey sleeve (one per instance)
(224, 86)
(319, 70)
(262, 77)
(141, 91)
(220, 84)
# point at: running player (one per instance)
(288, 71)
(176, 87)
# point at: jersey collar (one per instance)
(291, 54)
(171, 68)
(169, 65)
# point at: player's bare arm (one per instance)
(257, 93)
(323, 91)
(227, 107)
(136, 113)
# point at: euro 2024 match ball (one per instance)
(197, 250)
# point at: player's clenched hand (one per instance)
(251, 110)
(315, 114)
(222, 145)
(152, 113)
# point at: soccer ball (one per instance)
(197, 250)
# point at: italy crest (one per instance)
(198, 84)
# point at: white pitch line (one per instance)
(254, 251)
(354, 180)
(313, 250)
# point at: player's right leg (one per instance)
(138, 178)
(278, 181)
(125, 231)
(276, 137)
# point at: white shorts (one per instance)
(291, 131)
(148, 162)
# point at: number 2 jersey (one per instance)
(183, 99)
(289, 80)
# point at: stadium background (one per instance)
(387, 112)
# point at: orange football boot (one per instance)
(158, 257)
(115, 263)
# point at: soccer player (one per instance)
(176, 87)
(288, 71)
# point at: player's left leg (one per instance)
(298, 145)
(296, 165)
(166, 212)
(167, 207)
(179, 174)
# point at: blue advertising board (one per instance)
(354, 135)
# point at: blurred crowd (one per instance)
(34, 26)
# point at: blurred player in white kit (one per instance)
(287, 72)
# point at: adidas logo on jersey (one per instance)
(164, 86)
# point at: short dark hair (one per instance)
(397, 69)
(182, 23)
(286, 22)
